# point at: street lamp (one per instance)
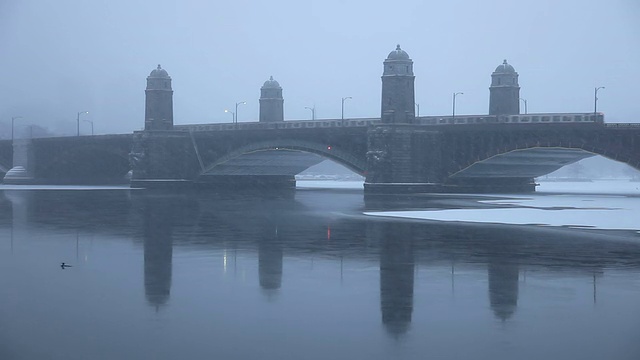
(233, 115)
(418, 106)
(313, 111)
(595, 99)
(13, 119)
(90, 122)
(236, 113)
(525, 104)
(454, 104)
(78, 121)
(342, 109)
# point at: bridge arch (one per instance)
(337, 154)
(582, 148)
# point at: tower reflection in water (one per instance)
(270, 254)
(160, 215)
(503, 286)
(158, 250)
(397, 267)
(243, 225)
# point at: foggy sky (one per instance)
(61, 57)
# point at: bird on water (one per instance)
(64, 265)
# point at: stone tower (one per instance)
(271, 102)
(158, 114)
(398, 99)
(504, 98)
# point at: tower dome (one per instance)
(271, 84)
(398, 54)
(159, 72)
(505, 68)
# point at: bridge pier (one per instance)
(23, 163)
(404, 159)
(163, 159)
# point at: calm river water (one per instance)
(304, 275)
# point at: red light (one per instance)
(329, 147)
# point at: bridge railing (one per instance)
(546, 118)
(623, 126)
(290, 124)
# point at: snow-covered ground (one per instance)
(597, 205)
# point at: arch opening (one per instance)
(597, 167)
(523, 163)
(281, 158)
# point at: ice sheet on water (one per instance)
(606, 208)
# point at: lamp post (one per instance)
(418, 106)
(342, 108)
(313, 111)
(233, 115)
(236, 113)
(78, 121)
(90, 122)
(453, 116)
(595, 99)
(525, 104)
(13, 119)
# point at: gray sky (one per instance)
(64, 56)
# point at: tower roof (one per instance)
(398, 54)
(271, 84)
(505, 68)
(159, 73)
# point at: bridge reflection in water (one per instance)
(305, 224)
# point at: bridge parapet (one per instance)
(523, 119)
(623, 126)
(285, 125)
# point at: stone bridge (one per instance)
(408, 158)
(397, 152)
